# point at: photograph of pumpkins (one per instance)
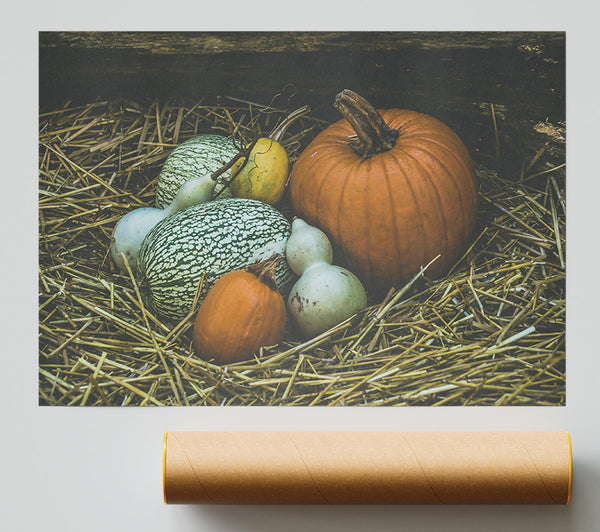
(312, 218)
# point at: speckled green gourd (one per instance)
(198, 156)
(212, 238)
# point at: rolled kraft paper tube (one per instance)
(367, 468)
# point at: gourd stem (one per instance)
(240, 155)
(374, 135)
(231, 162)
(281, 128)
(265, 270)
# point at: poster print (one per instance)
(454, 277)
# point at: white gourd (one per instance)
(131, 230)
(325, 294)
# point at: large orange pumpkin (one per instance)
(242, 312)
(393, 189)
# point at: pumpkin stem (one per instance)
(265, 270)
(280, 129)
(374, 135)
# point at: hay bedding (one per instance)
(492, 332)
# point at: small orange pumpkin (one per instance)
(391, 188)
(241, 313)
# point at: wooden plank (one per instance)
(169, 43)
(457, 77)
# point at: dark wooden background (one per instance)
(454, 76)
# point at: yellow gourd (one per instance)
(263, 174)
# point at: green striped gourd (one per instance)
(198, 156)
(212, 239)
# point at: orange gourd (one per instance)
(392, 189)
(241, 313)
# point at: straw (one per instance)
(490, 332)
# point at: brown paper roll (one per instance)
(367, 468)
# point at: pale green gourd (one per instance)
(198, 156)
(325, 294)
(131, 230)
